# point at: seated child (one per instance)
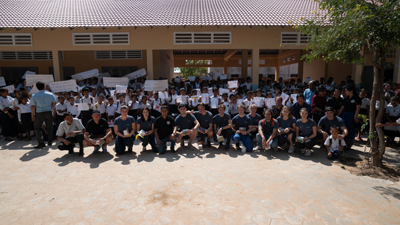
(333, 144)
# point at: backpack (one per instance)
(263, 122)
(330, 143)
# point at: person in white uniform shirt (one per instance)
(156, 104)
(7, 117)
(61, 108)
(110, 110)
(87, 114)
(72, 108)
(101, 106)
(134, 106)
(248, 84)
(24, 117)
(120, 102)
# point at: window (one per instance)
(202, 37)
(294, 38)
(16, 39)
(47, 55)
(198, 62)
(118, 54)
(391, 53)
(120, 38)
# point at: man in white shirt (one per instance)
(69, 132)
(61, 108)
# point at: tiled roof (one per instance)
(129, 13)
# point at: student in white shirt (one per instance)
(24, 117)
(156, 104)
(215, 101)
(334, 145)
(193, 101)
(134, 106)
(61, 108)
(110, 110)
(101, 106)
(144, 103)
(86, 115)
(72, 108)
(248, 84)
(120, 102)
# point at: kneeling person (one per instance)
(97, 132)
(70, 131)
(205, 119)
(267, 132)
(333, 144)
(223, 126)
(187, 125)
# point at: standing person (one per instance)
(336, 101)
(69, 132)
(124, 128)
(241, 128)
(349, 113)
(287, 125)
(309, 92)
(276, 111)
(267, 132)
(163, 130)
(42, 108)
(86, 115)
(156, 104)
(24, 117)
(318, 103)
(7, 115)
(215, 101)
(186, 127)
(222, 126)
(364, 112)
(299, 104)
(306, 133)
(110, 110)
(100, 105)
(61, 108)
(97, 133)
(146, 123)
(205, 119)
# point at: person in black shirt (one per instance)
(276, 111)
(163, 130)
(97, 133)
(336, 101)
(222, 126)
(349, 113)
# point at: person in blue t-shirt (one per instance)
(286, 128)
(255, 118)
(124, 128)
(222, 126)
(309, 92)
(146, 123)
(186, 127)
(299, 104)
(241, 128)
(306, 133)
(205, 119)
(267, 132)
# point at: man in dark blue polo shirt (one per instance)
(186, 126)
(205, 119)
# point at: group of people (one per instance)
(302, 115)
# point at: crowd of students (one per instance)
(302, 114)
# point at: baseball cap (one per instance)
(96, 112)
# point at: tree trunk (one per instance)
(377, 92)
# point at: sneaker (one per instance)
(308, 152)
(220, 145)
(200, 147)
(244, 149)
(303, 151)
(173, 150)
(259, 148)
(237, 145)
(291, 150)
(96, 149)
(191, 147)
(129, 149)
(80, 153)
(208, 144)
(268, 148)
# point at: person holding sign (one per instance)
(193, 101)
(186, 127)
(97, 133)
(222, 126)
(42, 108)
(267, 132)
(7, 115)
(89, 100)
(205, 119)
(248, 101)
(70, 132)
(205, 98)
(241, 128)
(156, 104)
(259, 101)
(215, 101)
(124, 128)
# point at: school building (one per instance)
(235, 37)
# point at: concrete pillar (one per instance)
(245, 57)
(225, 66)
(149, 61)
(255, 65)
(396, 73)
(57, 66)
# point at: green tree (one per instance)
(194, 71)
(341, 29)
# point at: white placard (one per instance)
(114, 81)
(192, 78)
(33, 79)
(83, 106)
(259, 101)
(86, 74)
(163, 94)
(121, 88)
(10, 88)
(284, 97)
(233, 84)
(239, 102)
(294, 97)
(223, 90)
(112, 92)
(156, 85)
(27, 73)
(105, 75)
(205, 98)
(2, 82)
(136, 74)
(34, 90)
(179, 99)
(214, 103)
(198, 91)
(177, 80)
(223, 77)
(210, 91)
(270, 102)
(61, 86)
(80, 88)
